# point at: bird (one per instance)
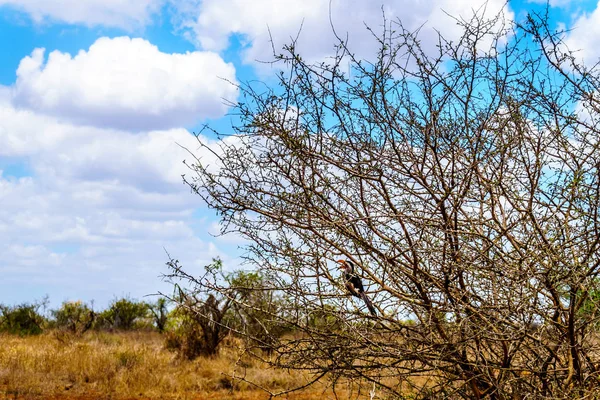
(354, 284)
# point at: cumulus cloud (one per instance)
(213, 22)
(125, 14)
(126, 83)
(93, 240)
(582, 36)
(99, 210)
(149, 160)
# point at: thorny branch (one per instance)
(466, 184)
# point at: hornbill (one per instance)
(354, 284)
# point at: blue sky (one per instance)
(96, 96)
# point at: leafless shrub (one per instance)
(466, 184)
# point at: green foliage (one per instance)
(160, 313)
(325, 319)
(23, 319)
(74, 316)
(589, 309)
(218, 303)
(125, 314)
(196, 328)
(257, 308)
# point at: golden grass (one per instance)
(135, 365)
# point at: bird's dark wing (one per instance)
(357, 283)
(356, 288)
(352, 289)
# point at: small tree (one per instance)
(160, 313)
(256, 308)
(237, 302)
(23, 319)
(200, 320)
(124, 314)
(74, 317)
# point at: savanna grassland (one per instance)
(136, 365)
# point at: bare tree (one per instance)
(465, 185)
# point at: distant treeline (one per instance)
(77, 317)
(194, 321)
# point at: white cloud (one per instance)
(582, 37)
(150, 161)
(214, 21)
(103, 201)
(126, 83)
(100, 208)
(125, 14)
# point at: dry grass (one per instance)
(135, 366)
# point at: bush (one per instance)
(125, 314)
(256, 309)
(23, 319)
(218, 303)
(464, 181)
(74, 316)
(326, 318)
(160, 313)
(198, 327)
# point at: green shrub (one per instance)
(197, 327)
(218, 303)
(74, 316)
(160, 313)
(256, 308)
(23, 319)
(125, 314)
(326, 318)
